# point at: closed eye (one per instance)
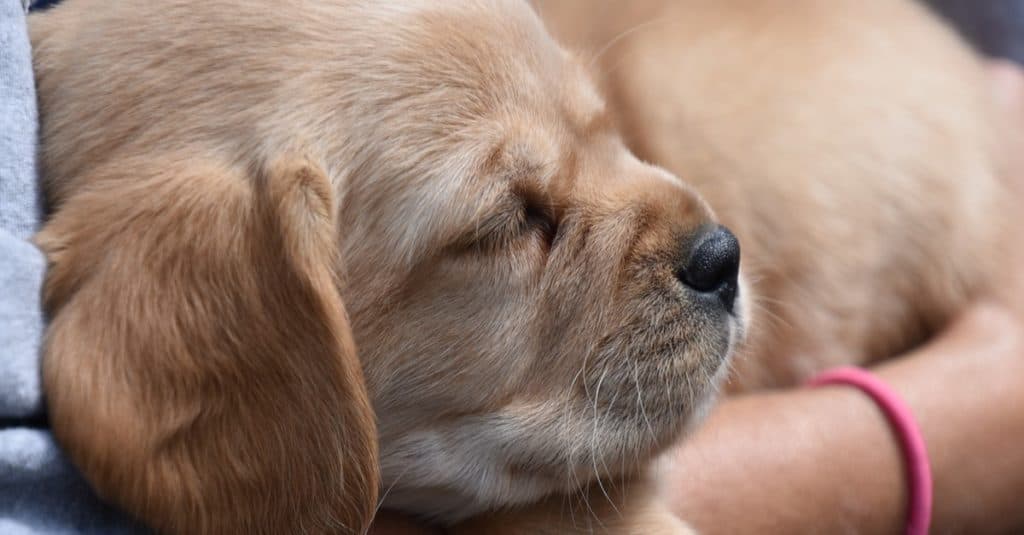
(520, 217)
(540, 218)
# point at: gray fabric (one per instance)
(19, 196)
(40, 492)
(21, 321)
(21, 268)
(21, 324)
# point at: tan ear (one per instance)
(199, 366)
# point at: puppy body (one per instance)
(849, 144)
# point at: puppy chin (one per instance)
(525, 451)
(738, 328)
(702, 407)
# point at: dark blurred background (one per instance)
(996, 27)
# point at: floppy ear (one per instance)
(199, 366)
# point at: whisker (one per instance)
(622, 35)
(640, 401)
(761, 309)
(383, 497)
(608, 414)
(593, 443)
(572, 481)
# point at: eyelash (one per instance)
(537, 218)
(522, 218)
(505, 229)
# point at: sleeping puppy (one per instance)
(297, 241)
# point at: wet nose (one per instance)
(713, 266)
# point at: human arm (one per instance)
(825, 459)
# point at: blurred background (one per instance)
(995, 27)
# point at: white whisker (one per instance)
(622, 35)
(593, 443)
(640, 401)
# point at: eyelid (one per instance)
(519, 213)
(539, 215)
(536, 203)
(502, 222)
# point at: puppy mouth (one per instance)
(647, 383)
(634, 396)
(647, 387)
(644, 383)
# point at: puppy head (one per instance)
(534, 306)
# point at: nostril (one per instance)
(713, 266)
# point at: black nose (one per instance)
(714, 265)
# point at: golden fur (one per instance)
(850, 145)
(247, 191)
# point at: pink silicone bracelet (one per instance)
(919, 473)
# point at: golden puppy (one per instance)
(293, 240)
(297, 242)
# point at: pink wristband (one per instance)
(919, 474)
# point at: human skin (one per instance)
(825, 460)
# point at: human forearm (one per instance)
(825, 459)
(967, 391)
